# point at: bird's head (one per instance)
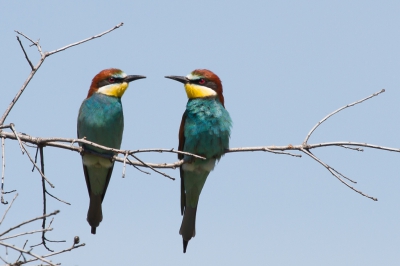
(201, 83)
(111, 82)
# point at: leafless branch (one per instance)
(351, 148)
(44, 199)
(26, 56)
(37, 168)
(54, 197)
(74, 246)
(26, 222)
(16, 135)
(9, 206)
(43, 56)
(337, 111)
(27, 233)
(336, 174)
(21, 254)
(272, 149)
(85, 40)
(137, 168)
(152, 168)
(27, 252)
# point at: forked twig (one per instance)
(26, 56)
(37, 168)
(336, 174)
(337, 111)
(26, 222)
(27, 252)
(152, 168)
(42, 58)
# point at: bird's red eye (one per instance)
(202, 81)
(111, 80)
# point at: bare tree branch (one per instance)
(42, 58)
(336, 174)
(37, 168)
(74, 246)
(85, 40)
(16, 135)
(27, 252)
(27, 233)
(337, 111)
(26, 222)
(152, 168)
(9, 206)
(26, 56)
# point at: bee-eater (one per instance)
(101, 120)
(204, 130)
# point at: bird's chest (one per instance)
(101, 120)
(207, 128)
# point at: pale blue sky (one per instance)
(284, 65)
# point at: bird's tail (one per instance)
(188, 227)
(95, 215)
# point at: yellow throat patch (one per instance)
(197, 91)
(116, 90)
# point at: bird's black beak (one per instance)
(184, 80)
(133, 77)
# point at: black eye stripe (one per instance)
(106, 81)
(200, 81)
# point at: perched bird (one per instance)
(205, 131)
(101, 120)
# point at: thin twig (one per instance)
(4, 261)
(27, 233)
(59, 252)
(43, 56)
(37, 168)
(51, 195)
(265, 148)
(21, 90)
(337, 111)
(333, 172)
(152, 168)
(21, 254)
(137, 168)
(29, 221)
(85, 40)
(36, 155)
(351, 148)
(27, 252)
(5, 126)
(9, 207)
(26, 56)
(33, 43)
(44, 199)
(16, 135)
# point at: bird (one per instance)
(101, 121)
(204, 130)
